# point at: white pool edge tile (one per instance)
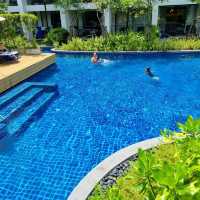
(88, 183)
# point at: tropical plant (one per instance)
(130, 42)
(66, 4)
(129, 7)
(196, 1)
(12, 25)
(3, 7)
(132, 8)
(111, 42)
(57, 36)
(20, 43)
(169, 172)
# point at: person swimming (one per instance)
(149, 73)
(95, 59)
(102, 62)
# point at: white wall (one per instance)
(65, 19)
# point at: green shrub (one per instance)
(57, 36)
(177, 44)
(169, 172)
(20, 43)
(111, 42)
(131, 42)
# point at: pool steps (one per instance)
(21, 105)
(12, 109)
(16, 92)
(20, 124)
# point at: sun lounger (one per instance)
(9, 56)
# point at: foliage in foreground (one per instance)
(169, 172)
(130, 42)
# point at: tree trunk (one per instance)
(45, 11)
(115, 22)
(148, 25)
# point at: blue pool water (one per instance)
(99, 110)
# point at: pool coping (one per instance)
(125, 52)
(88, 183)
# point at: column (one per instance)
(22, 8)
(22, 5)
(155, 15)
(65, 19)
(108, 20)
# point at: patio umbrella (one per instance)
(2, 19)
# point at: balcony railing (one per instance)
(39, 2)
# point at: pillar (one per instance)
(22, 9)
(65, 19)
(155, 15)
(22, 5)
(108, 19)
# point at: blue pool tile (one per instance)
(100, 109)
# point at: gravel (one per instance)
(111, 178)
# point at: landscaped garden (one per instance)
(168, 172)
(130, 42)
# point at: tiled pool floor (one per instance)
(99, 110)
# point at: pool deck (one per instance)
(12, 73)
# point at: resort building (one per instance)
(172, 16)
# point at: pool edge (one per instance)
(125, 52)
(88, 183)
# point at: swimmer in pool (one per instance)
(149, 73)
(95, 59)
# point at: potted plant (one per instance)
(32, 48)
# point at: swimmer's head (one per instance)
(147, 70)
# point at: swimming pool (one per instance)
(99, 110)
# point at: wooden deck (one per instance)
(12, 73)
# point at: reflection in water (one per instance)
(186, 57)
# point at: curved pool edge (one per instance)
(88, 183)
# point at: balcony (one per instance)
(12, 3)
(39, 2)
